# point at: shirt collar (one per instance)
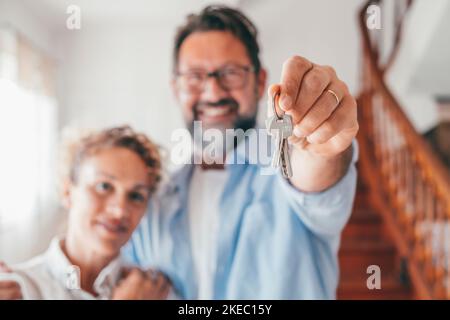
(68, 275)
(246, 152)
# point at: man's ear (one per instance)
(261, 79)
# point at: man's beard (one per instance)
(243, 123)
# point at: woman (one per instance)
(109, 180)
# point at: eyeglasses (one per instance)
(229, 78)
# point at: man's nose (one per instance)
(212, 90)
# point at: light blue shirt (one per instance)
(274, 241)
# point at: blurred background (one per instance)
(114, 68)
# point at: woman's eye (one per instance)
(137, 197)
(103, 187)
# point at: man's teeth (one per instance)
(215, 112)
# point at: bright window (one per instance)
(28, 135)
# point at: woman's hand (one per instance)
(139, 285)
(9, 290)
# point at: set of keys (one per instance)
(280, 127)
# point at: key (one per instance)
(286, 168)
(286, 132)
(273, 130)
(280, 127)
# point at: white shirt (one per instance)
(52, 276)
(204, 200)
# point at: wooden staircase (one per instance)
(365, 242)
(401, 217)
(402, 223)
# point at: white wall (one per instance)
(115, 74)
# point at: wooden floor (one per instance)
(364, 243)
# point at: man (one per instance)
(233, 232)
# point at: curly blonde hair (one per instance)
(78, 146)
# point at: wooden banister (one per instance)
(400, 17)
(409, 185)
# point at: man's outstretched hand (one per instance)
(325, 122)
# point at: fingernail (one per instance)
(299, 133)
(286, 102)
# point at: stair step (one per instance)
(356, 288)
(363, 224)
(365, 215)
(364, 243)
(357, 231)
(361, 253)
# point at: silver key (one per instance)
(273, 129)
(281, 128)
(286, 167)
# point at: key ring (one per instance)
(274, 98)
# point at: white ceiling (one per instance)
(54, 11)
(422, 65)
(432, 73)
